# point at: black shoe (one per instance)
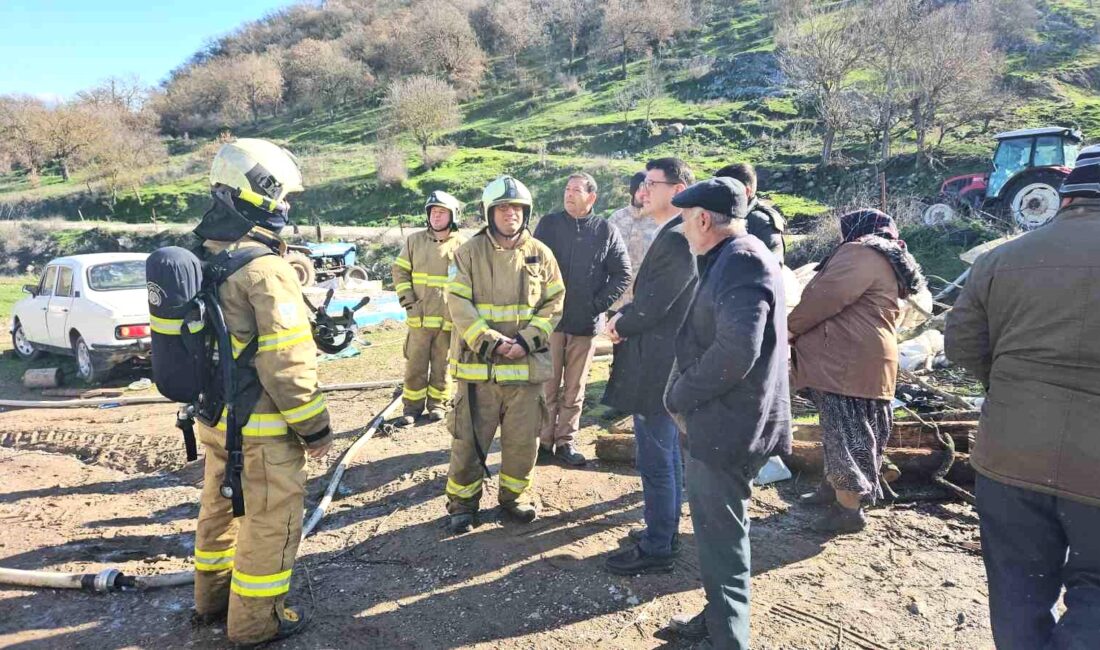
(569, 455)
(436, 414)
(460, 524)
(636, 535)
(822, 496)
(634, 561)
(546, 454)
(840, 520)
(521, 512)
(686, 626)
(406, 420)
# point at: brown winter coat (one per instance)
(845, 327)
(1028, 326)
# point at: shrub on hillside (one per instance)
(389, 160)
(436, 156)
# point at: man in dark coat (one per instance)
(729, 388)
(763, 221)
(644, 332)
(1027, 326)
(596, 271)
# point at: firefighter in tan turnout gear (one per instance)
(505, 298)
(243, 566)
(420, 278)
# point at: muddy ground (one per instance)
(87, 489)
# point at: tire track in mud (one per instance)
(127, 452)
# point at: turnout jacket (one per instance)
(263, 302)
(420, 278)
(495, 294)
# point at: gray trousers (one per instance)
(719, 498)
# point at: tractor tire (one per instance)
(303, 268)
(356, 273)
(1032, 200)
(942, 212)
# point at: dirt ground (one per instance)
(88, 489)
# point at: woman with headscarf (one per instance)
(845, 352)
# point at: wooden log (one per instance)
(43, 378)
(622, 426)
(906, 434)
(615, 447)
(915, 464)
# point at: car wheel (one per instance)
(90, 368)
(303, 267)
(22, 345)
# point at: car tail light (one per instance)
(131, 331)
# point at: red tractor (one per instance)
(1028, 169)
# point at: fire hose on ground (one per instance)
(113, 580)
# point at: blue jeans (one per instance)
(1033, 544)
(719, 496)
(662, 469)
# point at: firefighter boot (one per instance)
(524, 513)
(460, 524)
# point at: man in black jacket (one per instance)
(763, 221)
(645, 332)
(596, 270)
(730, 389)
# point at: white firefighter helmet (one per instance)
(444, 200)
(257, 172)
(506, 190)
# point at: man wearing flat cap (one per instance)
(729, 388)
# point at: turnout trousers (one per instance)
(426, 376)
(519, 411)
(243, 566)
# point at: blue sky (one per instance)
(53, 48)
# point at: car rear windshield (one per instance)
(117, 275)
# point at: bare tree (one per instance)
(512, 26)
(446, 44)
(887, 42)
(649, 89)
(70, 131)
(127, 93)
(423, 107)
(321, 74)
(571, 20)
(127, 145)
(23, 122)
(258, 80)
(623, 30)
(954, 69)
(818, 54)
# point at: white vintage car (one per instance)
(92, 307)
